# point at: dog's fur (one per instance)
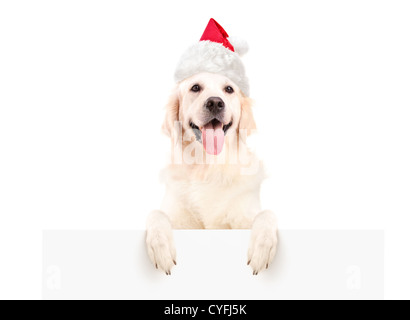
(210, 191)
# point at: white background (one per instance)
(82, 90)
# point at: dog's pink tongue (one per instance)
(213, 138)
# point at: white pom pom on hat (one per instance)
(216, 52)
(240, 45)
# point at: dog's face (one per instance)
(210, 107)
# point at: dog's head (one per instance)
(211, 109)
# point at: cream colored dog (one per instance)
(213, 181)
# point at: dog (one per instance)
(208, 119)
(213, 180)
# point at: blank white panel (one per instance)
(212, 265)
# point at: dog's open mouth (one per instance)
(212, 135)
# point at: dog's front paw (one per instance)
(161, 251)
(264, 241)
(160, 243)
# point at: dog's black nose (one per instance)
(215, 105)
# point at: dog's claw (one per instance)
(156, 265)
(175, 263)
(255, 273)
(249, 262)
(267, 265)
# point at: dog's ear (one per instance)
(171, 113)
(247, 121)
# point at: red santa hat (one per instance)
(216, 52)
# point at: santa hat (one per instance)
(216, 52)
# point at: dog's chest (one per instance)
(209, 202)
(213, 202)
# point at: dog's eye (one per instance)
(196, 88)
(229, 89)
